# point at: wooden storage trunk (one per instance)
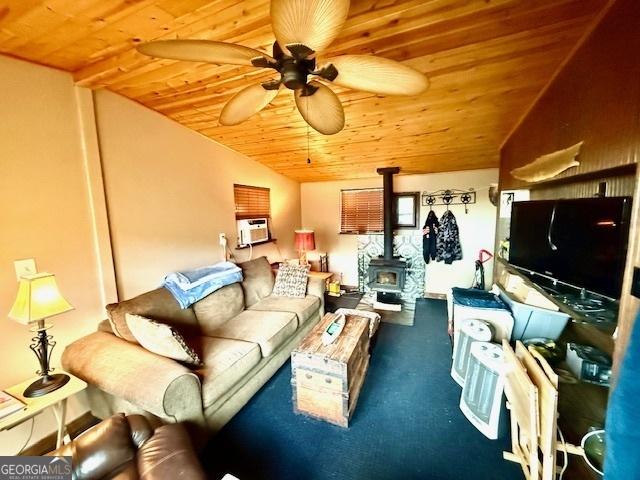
(326, 380)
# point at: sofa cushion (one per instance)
(225, 363)
(161, 339)
(267, 329)
(218, 307)
(158, 305)
(258, 280)
(304, 308)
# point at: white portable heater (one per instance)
(481, 400)
(471, 330)
(252, 230)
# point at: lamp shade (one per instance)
(38, 298)
(305, 240)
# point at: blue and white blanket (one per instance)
(189, 286)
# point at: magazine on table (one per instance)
(9, 404)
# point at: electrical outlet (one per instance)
(223, 240)
(26, 266)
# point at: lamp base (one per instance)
(46, 384)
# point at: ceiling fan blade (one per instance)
(204, 51)
(246, 103)
(313, 23)
(377, 75)
(321, 109)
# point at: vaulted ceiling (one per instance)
(487, 60)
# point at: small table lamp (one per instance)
(38, 299)
(305, 241)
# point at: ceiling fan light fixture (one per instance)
(293, 76)
(301, 28)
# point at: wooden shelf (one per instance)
(618, 171)
(271, 240)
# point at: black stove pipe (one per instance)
(387, 206)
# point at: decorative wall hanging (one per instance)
(549, 165)
(448, 197)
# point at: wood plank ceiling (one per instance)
(486, 59)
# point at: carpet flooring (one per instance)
(407, 424)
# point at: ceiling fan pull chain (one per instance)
(308, 150)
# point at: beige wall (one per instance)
(170, 193)
(45, 215)
(321, 212)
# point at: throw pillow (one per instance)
(291, 281)
(161, 339)
(158, 305)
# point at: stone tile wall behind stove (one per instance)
(409, 248)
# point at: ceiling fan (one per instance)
(302, 29)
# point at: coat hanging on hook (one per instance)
(429, 236)
(448, 241)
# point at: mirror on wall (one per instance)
(406, 207)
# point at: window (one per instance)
(407, 209)
(251, 202)
(361, 211)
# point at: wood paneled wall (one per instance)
(595, 98)
(617, 186)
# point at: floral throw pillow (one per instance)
(291, 281)
(161, 339)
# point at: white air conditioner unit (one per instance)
(252, 230)
(471, 330)
(481, 400)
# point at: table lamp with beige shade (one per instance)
(305, 242)
(39, 299)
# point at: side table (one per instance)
(346, 300)
(57, 400)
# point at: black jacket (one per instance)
(429, 240)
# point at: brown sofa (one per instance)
(129, 448)
(242, 333)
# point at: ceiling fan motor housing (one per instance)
(295, 69)
(293, 76)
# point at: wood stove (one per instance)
(387, 273)
(385, 276)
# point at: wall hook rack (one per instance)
(449, 197)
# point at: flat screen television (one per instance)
(582, 242)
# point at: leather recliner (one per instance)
(128, 447)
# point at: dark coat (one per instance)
(449, 248)
(429, 240)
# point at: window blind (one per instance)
(251, 202)
(361, 211)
